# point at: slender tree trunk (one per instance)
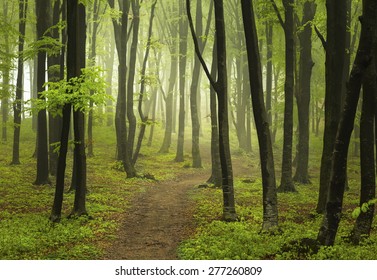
(131, 76)
(335, 52)
(17, 106)
(110, 70)
(144, 117)
(269, 36)
(286, 184)
(328, 230)
(215, 146)
(303, 96)
(43, 13)
(194, 92)
(54, 75)
(183, 30)
(120, 32)
(79, 206)
(270, 210)
(92, 61)
(364, 221)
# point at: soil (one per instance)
(161, 218)
(158, 221)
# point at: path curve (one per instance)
(158, 221)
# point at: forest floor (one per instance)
(162, 217)
(158, 220)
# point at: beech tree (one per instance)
(220, 86)
(43, 12)
(270, 210)
(329, 227)
(17, 105)
(286, 184)
(335, 56)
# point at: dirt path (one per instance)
(158, 221)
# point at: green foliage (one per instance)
(299, 224)
(80, 91)
(363, 209)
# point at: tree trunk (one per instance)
(183, 30)
(328, 230)
(335, 52)
(286, 184)
(120, 32)
(303, 96)
(17, 106)
(215, 146)
(194, 93)
(169, 95)
(43, 13)
(79, 207)
(144, 117)
(54, 75)
(269, 36)
(131, 76)
(92, 61)
(270, 210)
(367, 159)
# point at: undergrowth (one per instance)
(25, 229)
(298, 223)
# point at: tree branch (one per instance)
(320, 36)
(196, 44)
(282, 23)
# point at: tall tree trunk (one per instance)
(335, 52)
(120, 32)
(170, 93)
(270, 210)
(229, 211)
(194, 92)
(329, 227)
(54, 75)
(215, 146)
(303, 96)
(79, 206)
(183, 30)
(221, 88)
(364, 221)
(43, 13)
(110, 70)
(17, 106)
(92, 61)
(286, 184)
(131, 76)
(144, 117)
(269, 36)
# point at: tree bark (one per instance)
(367, 159)
(43, 13)
(183, 30)
(328, 230)
(335, 53)
(270, 210)
(79, 206)
(17, 105)
(303, 96)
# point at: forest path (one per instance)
(158, 220)
(162, 216)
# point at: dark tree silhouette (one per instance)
(43, 10)
(19, 87)
(329, 227)
(270, 210)
(220, 86)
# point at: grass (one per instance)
(25, 230)
(298, 220)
